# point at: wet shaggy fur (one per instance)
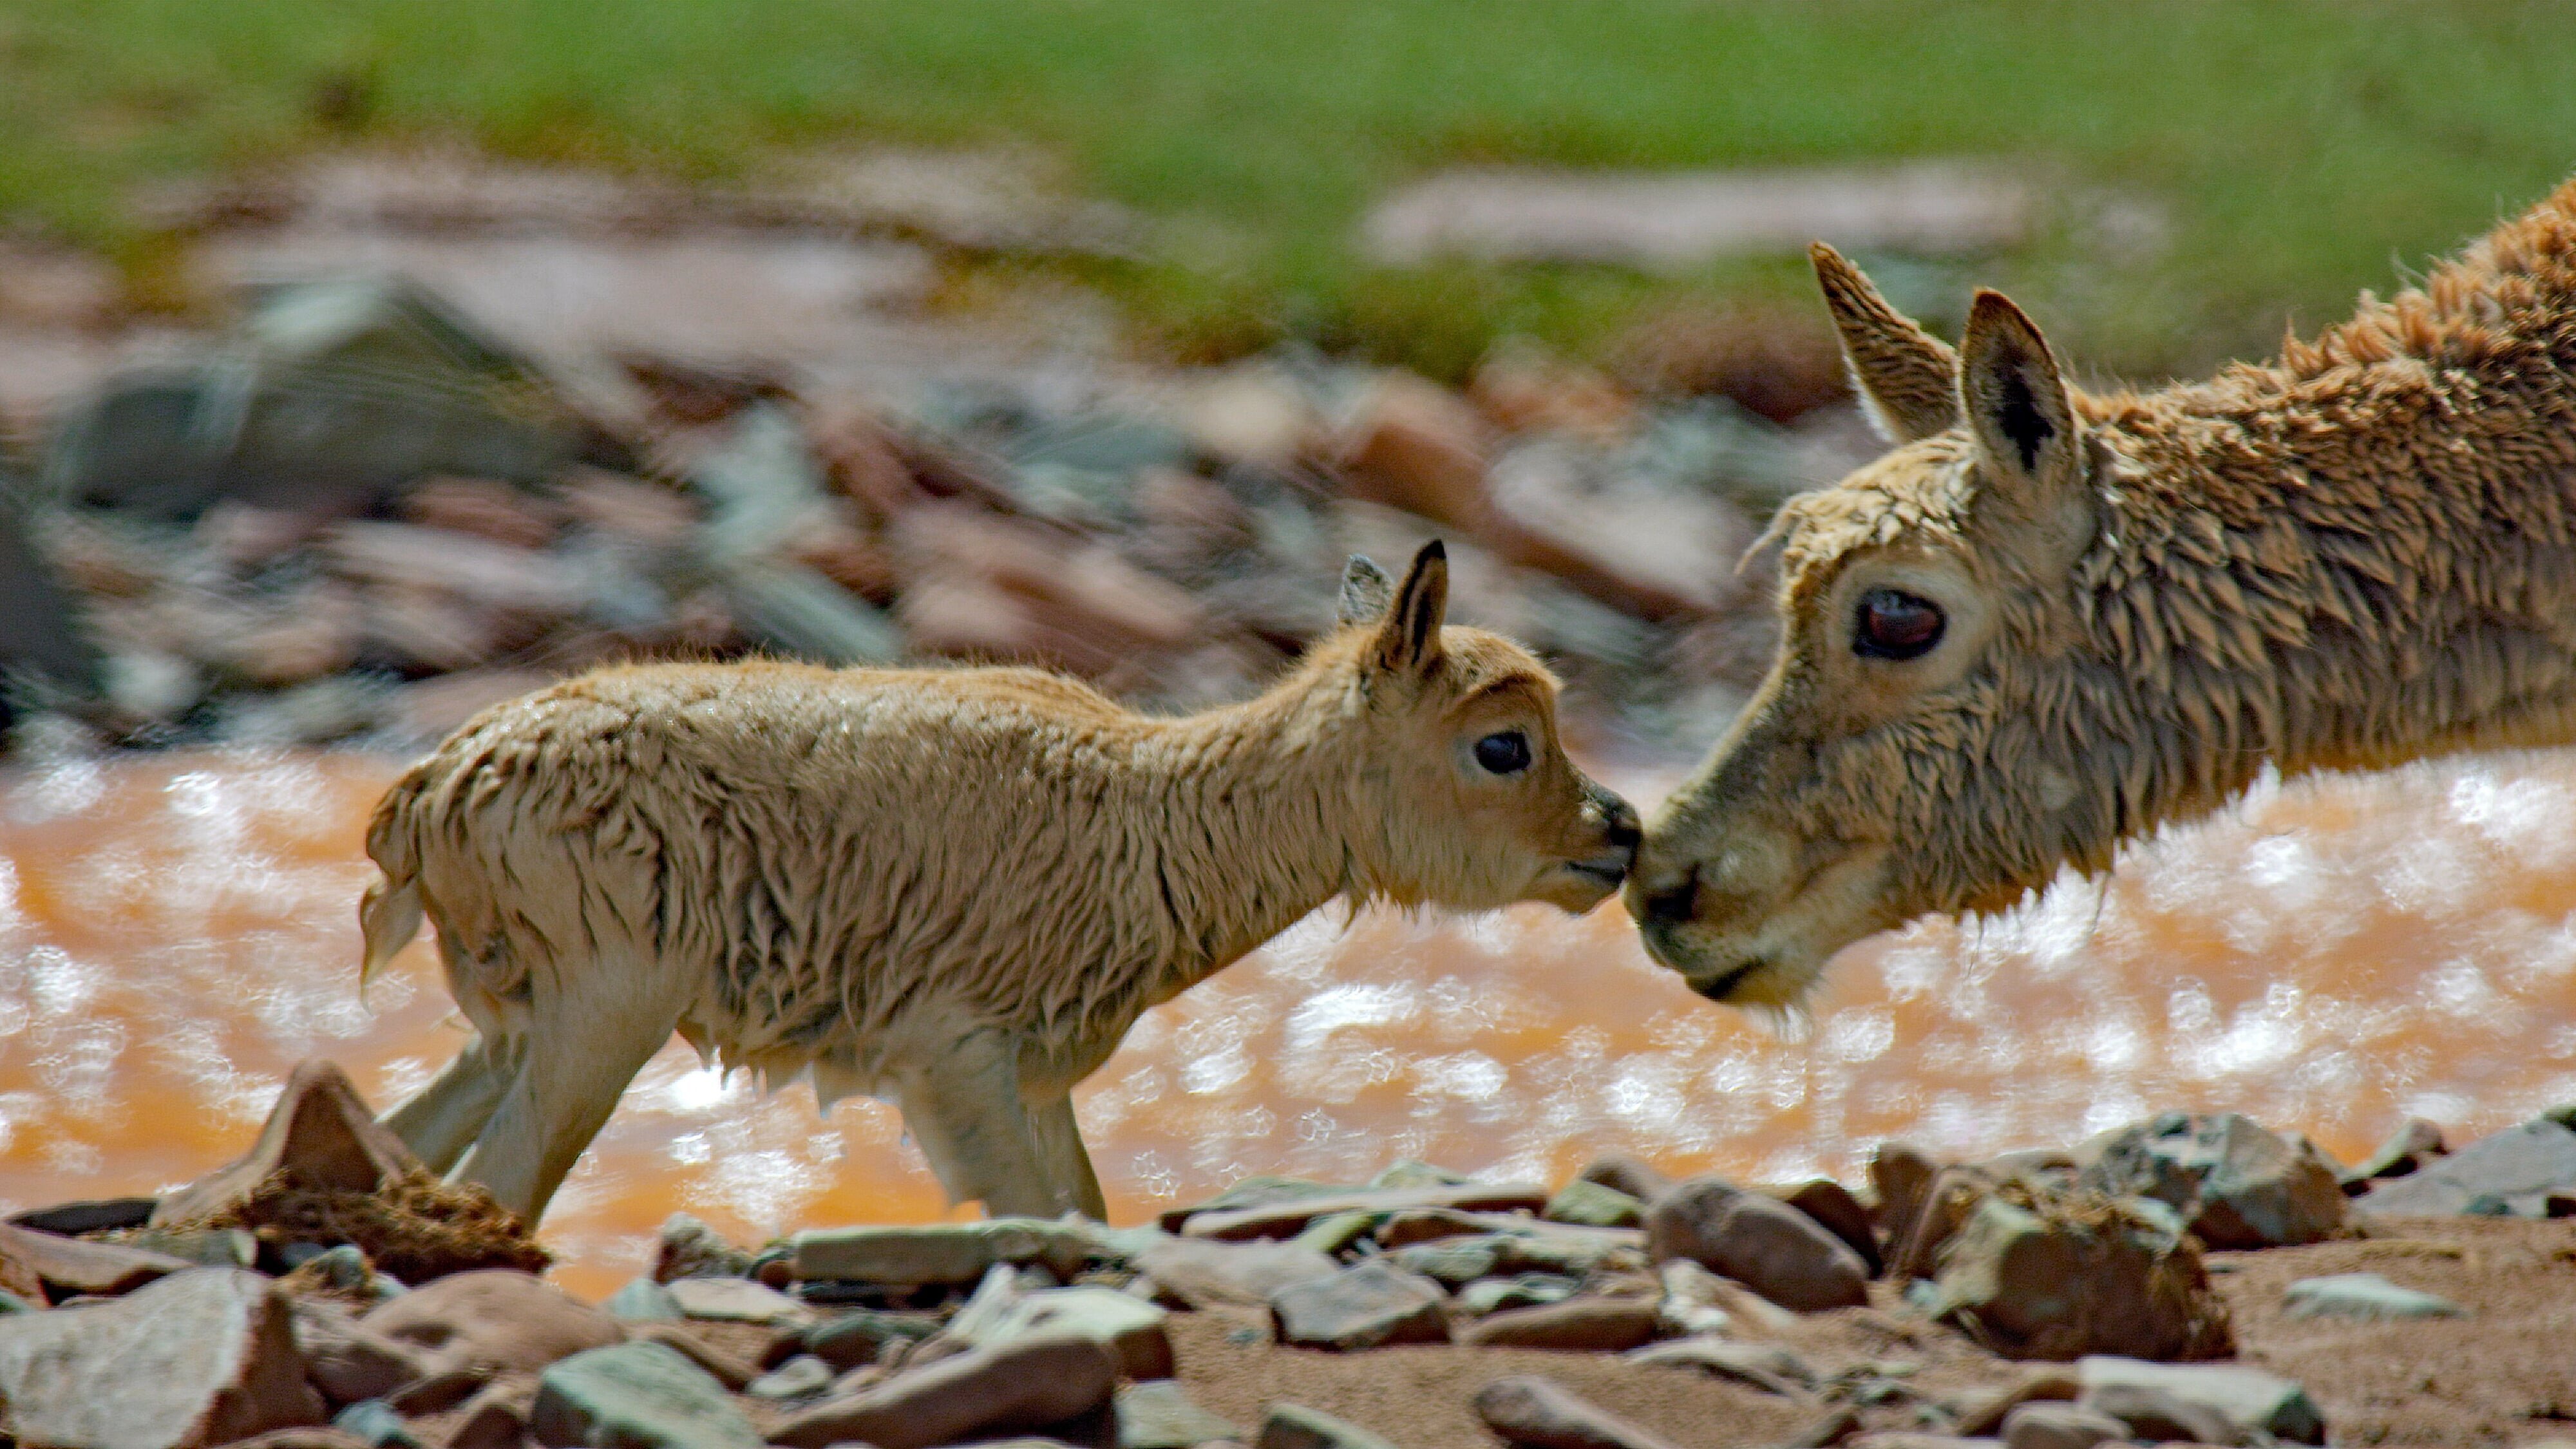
(957, 889)
(2360, 553)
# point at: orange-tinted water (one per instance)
(175, 932)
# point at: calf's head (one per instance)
(1462, 795)
(1920, 743)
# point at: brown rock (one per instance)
(71, 1265)
(1900, 1176)
(2061, 1426)
(433, 708)
(483, 508)
(321, 1134)
(727, 1369)
(2040, 1383)
(1626, 1174)
(1368, 1304)
(199, 1358)
(1577, 1325)
(643, 513)
(1028, 1384)
(1766, 1245)
(1954, 1193)
(97, 1215)
(1839, 1213)
(1424, 1225)
(1287, 1219)
(497, 1416)
(2236, 1183)
(478, 571)
(2157, 1416)
(493, 1319)
(2415, 1143)
(348, 1361)
(314, 1437)
(1415, 446)
(1521, 391)
(1200, 1272)
(19, 1276)
(1530, 1412)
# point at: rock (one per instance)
(800, 1377)
(1578, 1325)
(938, 1252)
(1592, 1205)
(2362, 1295)
(2042, 1382)
(1622, 1173)
(1952, 1194)
(2061, 1426)
(1130, 1328)
(321, 1134)
(1768, 1367)
(1294, 1426)
(493, 1319)
(853, 1340)
(496, 1417)
(2067, 1278)
(204, 1247)
(2414, 1144)
(688, 1248)
(737, 1300)
(438, 1392)
(1334, 1232)
(1258, 1190)
(725, 1368)
(1530, 1412)
(1696, 1300)
(101, 1215)
(2248, 1397)
(1772, 1248)
(1028, 1384)
(1424, 1225)
(2157, 1416)
(348, 1361)
(1159, 1414)
(1525, 1290)
(2515, 1171)
(1366, 1305)
(68, 1266)
(2236, 1184)
(1912, 1439)
(1200, 1272)
(201, 1357)
(1413, 445)
(636, 1396)
(375, 1424)
(317, 1437)
(1839, 1213)
(643, 1301)
(1285, 1220)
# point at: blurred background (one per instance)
(363, 364)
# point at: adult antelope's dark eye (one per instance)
(1896, 625)
(1506, 753)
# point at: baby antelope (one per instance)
(954, 888)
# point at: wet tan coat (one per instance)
(2360, 553)
(956, 888)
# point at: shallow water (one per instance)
(176, 932)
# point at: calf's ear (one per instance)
(1408, 638)
(1366, 591)
(2030, 445)
(1906, 377)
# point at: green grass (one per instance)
(2302, 150)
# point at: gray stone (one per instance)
(2160, 1416)
(1294, 1426)
(1593, 1205)
(643, 1301)
(2362, 1295)
(859, 1338)
(688, 1248)
(1698, 1301)
(2518, 1169)
(1364, 1306)
(938, 1252)
(96, 1215)
(1453, 1262)
(1529, 1412)
(1129, 1327)
(1525, 1290)
(800, 1377)
(69, 1266)
(2414, 1144)
(348, 1361)
(2061, 1426)
(201, 1357)
(1288, 1219)
(1577, 1325)
(636, 1396)
(1768, 1246)
(2235, 1183)
(494, 1319)
(1259, 1190)
(1622, 1173)
(2248, 1397)
(1412, 1172)
(205, 1247)
(1201, 1272)
(1765, 1366)
(2074, 1278)
(496, 1417)
(1159, 1414)
(737, 1300)
(1027, 1384)
(377, 1424)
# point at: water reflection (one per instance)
(176, 932)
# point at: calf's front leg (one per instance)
(440, 1121)
(963, 1107)
(1068, 1166)
(580, 1056)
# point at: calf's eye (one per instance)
(1505, 753)
(1894, 624)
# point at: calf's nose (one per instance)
(1669, 896)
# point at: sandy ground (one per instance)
(2505, 1374)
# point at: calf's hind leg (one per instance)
(580, 1055)
(964, 1108)
(441, 1120)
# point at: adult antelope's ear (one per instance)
(1409, 637)
(1907, 378)
(2019, 412)
(1366, 591)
